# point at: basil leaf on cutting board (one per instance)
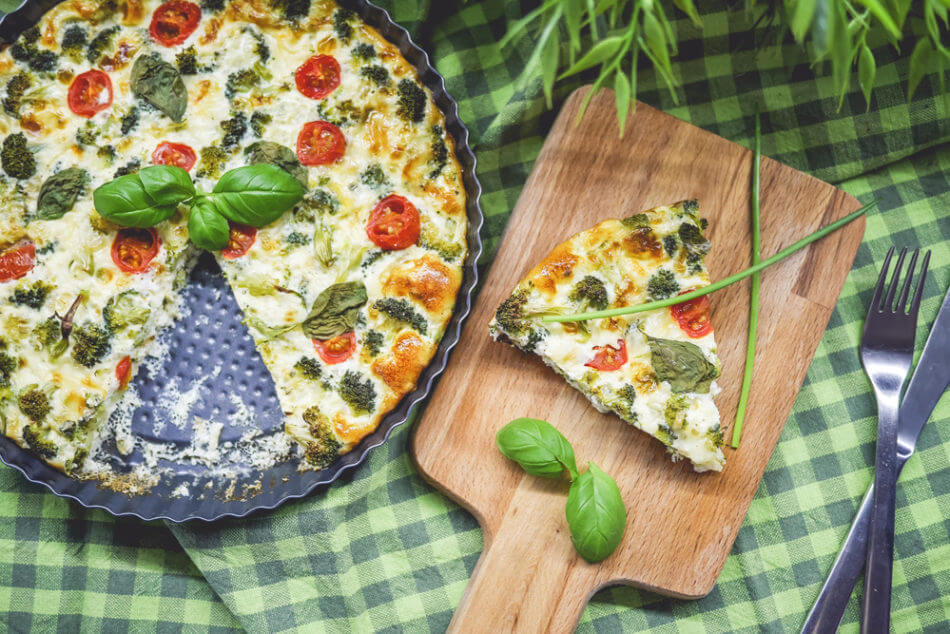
(59, 192)
(256, 195)
(538, 447)
(278, 155)
(682, 364)
(595, 514)
(160, 84)
(335, 310)
(167, 184)
(125, 202)
(207, 228)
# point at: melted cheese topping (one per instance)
(321, 242)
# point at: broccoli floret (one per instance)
(261, 47)
(623, 404)
(636, 221)
(234, 130)
(339, 113)
(373, 176)
(16, 89)
(401, 310)
(429, 238)
(43, 61)
(535, 337)
(8, 366)
(16, 158)
(34, 403)
(510, 315)
(377, 74)
(100, 43)
(74, 40)
(129, 168)
(412, 101)
(694, 263)
(670, 244)
(130, 120)
(212, 6)
(591, 291)
(258, 121)
(363, 51)
(107, 153)
(87, 134)
(440, 153)
(31, 35)
(241, 81)
(187, 61)
(693, 239)
(292, 10)
(373, 342)
(91, 343)
(341, 24)
(128, 308)
(297, 239)
(48, 332)
(715, 435)
(309, 367)
(33, 297)
(73, 464)
(45, 448)
(26, 51)
(360, 394)
(663, 284)
(212, 160)
(320, 201)
(324, 448)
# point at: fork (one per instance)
(887, 349)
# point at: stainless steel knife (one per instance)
(931, 379)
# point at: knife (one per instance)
(931, 379)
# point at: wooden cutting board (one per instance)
(681, 525)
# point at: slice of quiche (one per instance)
(656, 369)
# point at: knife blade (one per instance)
(930, 380)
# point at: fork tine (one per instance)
(915, 305)
(876, 300)
(905, 291)
(895, 281)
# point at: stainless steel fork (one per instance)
(887, 350)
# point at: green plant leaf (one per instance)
(335, 310)
(622, 91)
(596, 514)
(279, 155)
(687, 7)
(682, 364)
(125, 202)
(167, 184)
(867, 68)
(549, 64)
(800, 18)
(880, 12)
(207, 228)
(256, 195)
(918, 65)
(59, 192)
(598, 54)
(573, 15)
(538, 447)
(160, 84)
(655, 38)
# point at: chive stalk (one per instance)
(754, 296)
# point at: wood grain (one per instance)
(681, 525)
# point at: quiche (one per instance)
(346, 295)
(657, 369)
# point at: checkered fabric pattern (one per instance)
(380, 550)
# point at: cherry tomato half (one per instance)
(17, 261)
(318, 76)
(89, 93)
(393, 223)
(174, 21)
(693, 317)
(123, 372)
(336, 350)
(320, 143)
(175, 154)
(134, 249)
(240, 240)
(609, 358)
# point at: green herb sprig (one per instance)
(715, 286)
(595, 511)
(254, 195)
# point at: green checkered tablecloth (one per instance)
(381, 550)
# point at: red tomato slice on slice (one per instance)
(320, 143)
(175, 154)
(609, 358)
(174, 21)
(89, 93)
(692, 316)
(393, 223)
(123, 372)
(134, 249)
(318, 76)
(336, 350)
(240, 240)
(17, 261)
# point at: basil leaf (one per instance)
(335, 310)
(256, 195)
(682, 364)
(207, 228)
(160, 84)
(59, 192)
(125, 202)
(167, 184)
(278, 155)
(538, 447)
(595, 514)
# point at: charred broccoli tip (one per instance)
(324, 448)
(360, 394)
(591, 291)
(91, 343)
(412, 101)
(310, 368)
(45, 448)
(376, 73)
(16, 158)
(401, 310)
